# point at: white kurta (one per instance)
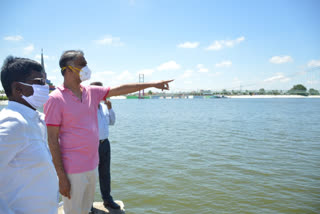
(28, 180)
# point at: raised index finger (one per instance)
(167, 81)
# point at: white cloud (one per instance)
(188, 45)
(45, 57)
(107, 72)
(281, 59)
(13, 38)
(124, 76)
(278, 77)
(286, 79)
(314, 63)
(240, 39)
(313, 82)
(225, 64)
(111, 78)
(28, 49)
(146, 72)
(202, 69)
(110, 40)
(218, 73)
(106, 77)
(220, 44)
(103, 74)
(187, 74)
(216, 45)
(171, 65)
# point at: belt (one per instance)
(101, 141)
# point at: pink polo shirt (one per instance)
(79, 132)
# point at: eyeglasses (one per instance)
(38, 81)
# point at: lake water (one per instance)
(216, 156)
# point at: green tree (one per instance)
(234, 92)
(275, 92)
(262, 91)
(313, 91)
(3, 97)
(224, 92)
(150, 92)
(298, 90)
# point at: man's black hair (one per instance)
(15, 69)
(67, 57)
(96, 83)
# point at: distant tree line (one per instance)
(2, 95)
(295, 90)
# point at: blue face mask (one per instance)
(40, 95)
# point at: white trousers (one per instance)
(83, 186)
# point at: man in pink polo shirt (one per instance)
(73, 134)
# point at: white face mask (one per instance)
(85, 73)
(40, 95)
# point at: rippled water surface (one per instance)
(216, 156)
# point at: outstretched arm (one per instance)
(133, 87)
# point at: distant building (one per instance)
(51, 86)
(206, 92)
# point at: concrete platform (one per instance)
(100, 209)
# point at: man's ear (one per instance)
(19, 89)
(16, 89)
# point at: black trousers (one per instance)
(104, 170)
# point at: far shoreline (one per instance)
(5, 102)
(272, 96)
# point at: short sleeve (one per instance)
(53, 112)
(100, 93)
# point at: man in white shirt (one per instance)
(28, 180)
(106, 117)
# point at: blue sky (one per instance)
(201, 44)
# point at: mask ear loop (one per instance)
(26, 84)
(71, 68)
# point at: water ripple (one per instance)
(217, 156)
